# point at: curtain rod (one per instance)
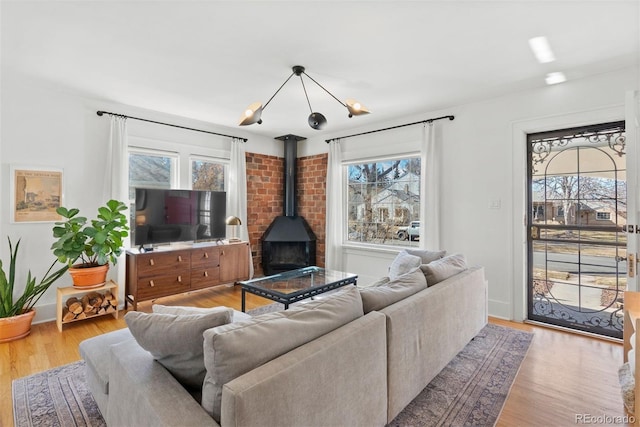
(392, 127)
(100, 113)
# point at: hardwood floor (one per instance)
(564, 376)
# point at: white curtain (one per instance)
(237, 191)
(116, 177)
(335, 209)
(430, 185)
(116, 183)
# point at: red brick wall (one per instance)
(311, 196)
(265, 198)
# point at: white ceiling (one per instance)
(208, 60)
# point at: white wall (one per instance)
(483, 163)
(46, 127)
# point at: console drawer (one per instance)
(205, 277)
(208, 256)
(163, 263)
(153, 287)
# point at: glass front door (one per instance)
(576, 219)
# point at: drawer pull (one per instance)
(179, 279)
(206, 274)
(151, 283)
(152, 262)
(179, 258)
(222, 253)
(206, 255)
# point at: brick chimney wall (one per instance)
(311, 197)
(265, 198)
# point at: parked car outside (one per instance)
(412, 232)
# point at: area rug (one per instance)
(471, 390)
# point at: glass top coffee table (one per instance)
(295, 285)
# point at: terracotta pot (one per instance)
(88, 277)
(16, 327)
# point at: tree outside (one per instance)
(383, 196)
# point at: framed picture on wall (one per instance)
(36, 193)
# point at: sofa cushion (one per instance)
(378, 297)
(96, 354)
(380, 282)
(402, 264)
(235, 349)
(236, 316)
(427, 256)
(175, 340)
(442, 269)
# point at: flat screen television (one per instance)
(164, 216)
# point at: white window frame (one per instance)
(209, 159)
(600, 213)
(175, 162)
(345, 185)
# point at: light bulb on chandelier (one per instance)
(253, 113)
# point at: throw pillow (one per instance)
(379, 297)
(402, 264)
(441, 269)
(175, 340)
(237, 348)
(427, 256)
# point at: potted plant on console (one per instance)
(17, 314)
(94, 243)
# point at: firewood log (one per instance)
(67, 315)
(76, 307)
(82, 315)
(71, 301)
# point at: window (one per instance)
(383, 199)
(603, 216)
(207, 175)
(150, 169)
(538, 212)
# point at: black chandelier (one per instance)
(253, 113)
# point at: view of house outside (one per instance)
(577, 216)
(384, 202)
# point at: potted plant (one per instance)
(95, 243)
(17, 314)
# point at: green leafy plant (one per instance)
(33, 289)
(94, 243)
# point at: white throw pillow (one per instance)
(175, 341)
(427, 256)
(402, 264)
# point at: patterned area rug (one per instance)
(472, 388)
(470, 391)
(55, 398)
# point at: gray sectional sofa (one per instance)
(355, 358)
